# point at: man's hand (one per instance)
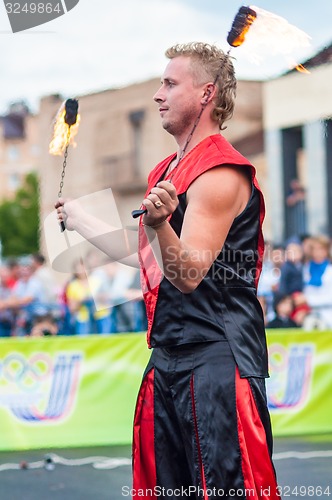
(69, 212)
(160, 203)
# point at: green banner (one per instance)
(81, 391)
(69, 391)
(299, 387)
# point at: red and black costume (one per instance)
(201, 417)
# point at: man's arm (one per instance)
(214, 200)
(119, 244)
(16, 302)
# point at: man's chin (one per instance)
(167, 126)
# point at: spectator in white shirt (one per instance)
(318, 280)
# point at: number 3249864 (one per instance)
(33, 8)
(301, 491)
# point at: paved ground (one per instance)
(304, 468)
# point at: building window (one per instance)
(13, 153)
(294, 190)
(14, 182)
(136, 119)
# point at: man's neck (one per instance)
(201, 133)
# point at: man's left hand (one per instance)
(160, 203)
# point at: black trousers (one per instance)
(201, 431)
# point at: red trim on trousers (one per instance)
(144, 465)
(257, 468)
(197, 437)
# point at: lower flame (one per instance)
(63, 135)
(302, 69)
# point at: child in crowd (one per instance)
(44, 326)
(283, 306)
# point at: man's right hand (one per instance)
(69, 212)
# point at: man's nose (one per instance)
(159, 97)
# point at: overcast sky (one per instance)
(108, 43)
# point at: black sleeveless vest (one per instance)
(224, 306)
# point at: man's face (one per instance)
(25, 272)
(179, 99)
(294, 252)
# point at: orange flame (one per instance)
(302, 69)
(63, 135)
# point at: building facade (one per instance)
(297, 114)
(19, 148)
(120, 139)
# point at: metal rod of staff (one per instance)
(71, 108)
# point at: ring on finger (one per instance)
(158, 204)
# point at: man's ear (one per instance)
(208, 93)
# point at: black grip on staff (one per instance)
(62, 226)
(138, 213)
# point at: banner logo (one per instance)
(25, 14)
(39, 388)
(291, 372)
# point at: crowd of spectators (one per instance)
(106, 299)
(295, 291)
(295, 287)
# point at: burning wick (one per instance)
(65, 129)
(241, 25)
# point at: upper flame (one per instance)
(271, 35)
(63, 135)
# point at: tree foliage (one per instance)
(19, 219)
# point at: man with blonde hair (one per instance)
(202, 426)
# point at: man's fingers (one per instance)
(168, 187)
(153, 201)
(162, 194)
(60, 202)
(149, 205)
(158, 201)
(59, 206)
